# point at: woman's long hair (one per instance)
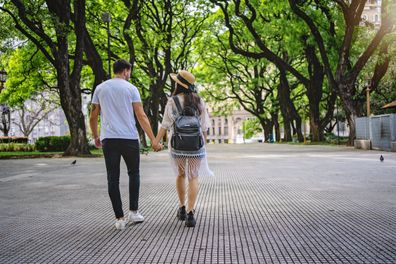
(191, 99)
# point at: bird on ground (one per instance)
(382, 158)
(74, 162)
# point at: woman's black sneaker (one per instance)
(181, 213)
(190, 221)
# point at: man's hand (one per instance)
(98, 143)
(156, 141)
(157, 146)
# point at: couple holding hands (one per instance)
(118, 102)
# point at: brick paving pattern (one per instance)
(266, 204)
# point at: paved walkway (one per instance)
(266, 204)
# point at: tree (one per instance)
(344, 76)
(249, 82)
(34, 111)
(268, 26)
(156, 36)
(55, 27)
(385, 93)
(165, 31)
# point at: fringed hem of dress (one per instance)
(190, 163)
(201, 153)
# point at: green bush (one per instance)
(23, 140)
(16, 147)
(333, 139)
(52, 143)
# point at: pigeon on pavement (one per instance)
(74, 162)
(381, 158)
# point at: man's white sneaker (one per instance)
(135, 217)
(121, 223)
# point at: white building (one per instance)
(228, 129)
(372, 12)
(54, 124)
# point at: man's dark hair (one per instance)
(120, 65)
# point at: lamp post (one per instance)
(106, 17)
(338, 125)
(368, 97)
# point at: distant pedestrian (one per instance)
(117, 100)
(187, 163)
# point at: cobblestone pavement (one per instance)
(266, 204)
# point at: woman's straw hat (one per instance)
(184, 78)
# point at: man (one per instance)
(117, 100)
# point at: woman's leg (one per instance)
(193, 189)
(193, 185)
(181, 181)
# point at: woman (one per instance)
(187, 164)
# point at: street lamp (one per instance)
(368, 96)
(3, 78)
(338, 125)
(106, 17)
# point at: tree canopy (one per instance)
(285, 62)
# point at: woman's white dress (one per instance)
(191, 163)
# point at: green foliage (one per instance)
(225, 79)
(251, 127)
(16, 147)
(23, 140)
(385, 94)
(28, 73)
(52, 143)
(334, 139)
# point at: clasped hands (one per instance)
(157, 146)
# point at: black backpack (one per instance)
(187, 134)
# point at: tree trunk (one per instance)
(154, 107)
(352, 128)
(78, 144)
(142, 135)
(71, 105)
(314, 92)
(300, 135)
(276, 126)
(315, 129)
(288, 109)
(287, 132)
(267, 126)
(353, 107)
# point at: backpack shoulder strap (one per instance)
(178, 105)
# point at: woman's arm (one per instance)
(160, 135)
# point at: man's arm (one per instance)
(145, 124)
(93, 123)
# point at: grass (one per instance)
(36, 154)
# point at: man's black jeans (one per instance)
(113, 149)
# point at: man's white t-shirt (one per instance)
(115, 97)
